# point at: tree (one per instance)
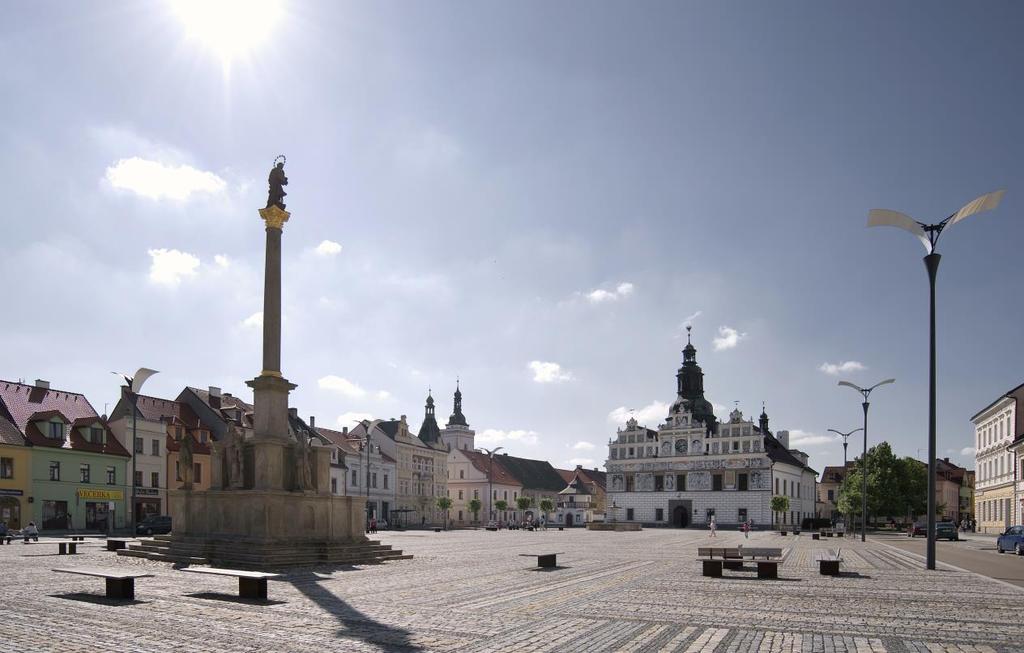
(896, 486)
(546, 506)
(474, 507)
(501, 505)
(524, 504)
(444, 503)
(779, 504)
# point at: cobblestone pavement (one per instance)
(471, 591)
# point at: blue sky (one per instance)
(533, 197)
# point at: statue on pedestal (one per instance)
(233, 455)
(185, 461)
(277, 181)
(303, 463)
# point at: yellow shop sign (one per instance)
(104, 495)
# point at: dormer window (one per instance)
(96, 435)
(56, 431)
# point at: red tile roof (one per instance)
(482, 462)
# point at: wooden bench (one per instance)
(767, 560)
(544, 560)
(118, 543)
(64, 547)
(251, 584)
(828, 563)
(714, 559)
(120, 584)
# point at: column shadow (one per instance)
(354, 623)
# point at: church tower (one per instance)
(457, 434)
(429, 431)
(690, 389)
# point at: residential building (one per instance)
(577, 501)
(1017, 449)
(473, 474)
(596, 482)
(15, 473)
(996, 428)
(78, 468)
(362, 469)
(692, 467)
(832, 477)
(149, 451)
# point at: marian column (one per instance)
(270, 388)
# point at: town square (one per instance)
(577, 326)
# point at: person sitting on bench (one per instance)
(30, 531)
(3, 529)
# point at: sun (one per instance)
(229, 28)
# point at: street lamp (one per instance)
(133, 384)
(866, 392)
(846, 436)
(490, 480)
(929, 234)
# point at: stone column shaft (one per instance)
(272, 303)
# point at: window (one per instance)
(742, 483)
(659, 484)
(735, 445)
(659, 514)
(776, 486)
(629, 483)
(831, 495)
(476, 494)
(629, 514)
(177, 471)
(741, 515)
(630, 452)
(197, 472)
(460, 495)
(54, 470)
(137, 479)
(96, 435)
(156, 447)
(83, 473)
(138, 445)
(56, 431)
(334, 486)
(716, 482)
(373, 480)
(385, 481)
(111, 476)
(6, 467)
(784, 486)
(355, 478)
(505, 495)
(462, 473)
(154, 479)
(680, 482)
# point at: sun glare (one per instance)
(230, 28)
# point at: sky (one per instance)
(533, 198)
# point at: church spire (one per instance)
(763, 421)
(690, 388)
(429, 431)
(457, 418)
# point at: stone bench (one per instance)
(118, 543)
(64, 547)
(544, 560)
(120, 584)
(828, 563)
(251, 584)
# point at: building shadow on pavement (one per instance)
(355, 624)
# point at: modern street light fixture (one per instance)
(866, 392)
(133, 384)
(490, 480)
(929, 234)
(846, 437)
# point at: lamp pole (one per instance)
(846, 437)
(133, 384)
(866, 392)
(929, 234)
(490, 480)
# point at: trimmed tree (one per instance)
(474, 507)
(445, 504)
(779, 504)
(524, 504)
(546, 506)
(501, 505)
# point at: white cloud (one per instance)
(350, 419)
(544, 372)
(169, 266)
(798, 438)
(718, 408)
(496, 436)
(727, 338)
(834, 369)
(254, 321)
(652, 413)
(599, 296)
(328, 248)
(968, 451)
(583, 446)
(585, 462)
(222, 261)
(158, 181)
(340, 385)
(382, 395)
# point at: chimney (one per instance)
(946, 460)
(312, 421)
(214, 396)
(45, 385)
(293, 413)
(783, 438)
(344, 430)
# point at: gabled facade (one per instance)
(363, 469)
(78, 468)
(15, 475)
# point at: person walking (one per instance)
(746, 530)
(713, 526)
(373, 524)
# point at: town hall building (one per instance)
(693, 467)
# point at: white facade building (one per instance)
(692, 467)
(997, 503)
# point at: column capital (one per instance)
(275, 217)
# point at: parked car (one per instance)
(154, 525)
(1011, 540)
(946, 530)
(917, 529)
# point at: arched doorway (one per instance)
(568, 519)
(10, 512)
(681, 517)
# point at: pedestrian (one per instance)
(746, 530)
(713, 526)
(31, 531)
(373, 525)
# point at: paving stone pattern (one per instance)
(470, 591)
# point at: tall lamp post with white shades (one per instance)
(866, 392)
(846, 438)
(929, 234)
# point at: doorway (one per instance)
(568, 519)
(680, 517)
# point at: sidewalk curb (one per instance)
(954, 567)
